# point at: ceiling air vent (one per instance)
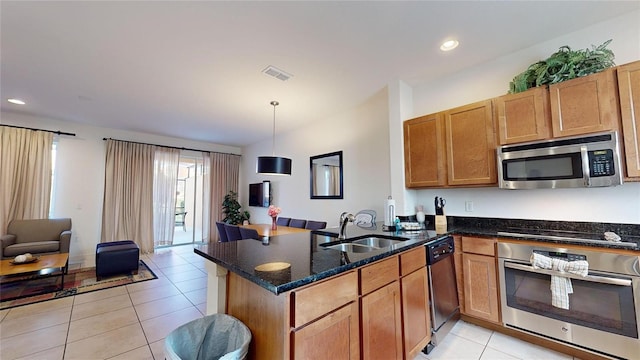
(276, 73)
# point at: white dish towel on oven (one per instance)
(560, 285)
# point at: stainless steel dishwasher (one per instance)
(443, 293)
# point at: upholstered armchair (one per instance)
(38, 237)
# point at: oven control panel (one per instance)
(561, 255)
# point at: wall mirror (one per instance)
(326, 176)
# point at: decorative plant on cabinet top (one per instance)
(565, 64)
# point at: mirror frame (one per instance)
(318, 157)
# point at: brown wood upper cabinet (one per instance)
(424, 156)
(629, 88)
(451, 148)
(524, 116)
(579, 106)
(470, 144)
(585, 105)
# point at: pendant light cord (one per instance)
(273, 141)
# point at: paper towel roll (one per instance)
(389, 212)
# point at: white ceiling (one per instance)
(193, 69)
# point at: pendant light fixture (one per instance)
(273, 165)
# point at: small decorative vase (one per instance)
(274, 225)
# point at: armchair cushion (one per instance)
(40, 236)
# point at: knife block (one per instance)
(441, 224)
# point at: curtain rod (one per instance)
(58, 132)
(170, 147)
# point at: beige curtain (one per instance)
(127, 212)
(224, 174)
(206, 199)
(25, 174)
(334, 176)
(165, 181)
(314, 179)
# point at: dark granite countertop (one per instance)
(311, 261)
(555, 237)
(554, 232)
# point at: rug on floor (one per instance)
(33, 289)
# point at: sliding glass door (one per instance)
(190, 222)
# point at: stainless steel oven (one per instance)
(603, 314)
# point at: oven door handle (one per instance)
(591, 278)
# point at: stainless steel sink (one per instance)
(376, 242)
(367, 244)
(354, 248)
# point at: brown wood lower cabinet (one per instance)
(480, 290)
(457, 258)
(395, 317)
(481, 299)
(378, 311)
(334, 336)
(326, 327)
(415, 311)
(382, 323)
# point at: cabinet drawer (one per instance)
(412, 260)
(312, 302)
(377, 275)
(479, 246)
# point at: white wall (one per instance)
(79, 186)
(363, 136)
(618, 204)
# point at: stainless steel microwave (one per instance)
(573, 162)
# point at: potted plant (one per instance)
(565, 64)
(231, 209)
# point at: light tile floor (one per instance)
(468, 341)
(131, 322)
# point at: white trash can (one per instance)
(217, 336)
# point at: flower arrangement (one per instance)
(273, 211)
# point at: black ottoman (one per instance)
(118, 257)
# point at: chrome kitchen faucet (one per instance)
(344, 219)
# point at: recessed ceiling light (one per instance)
(16, 101)
(449, 45)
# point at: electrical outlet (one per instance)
(468, 206)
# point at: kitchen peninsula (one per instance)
(317, 293)
(315, 299)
